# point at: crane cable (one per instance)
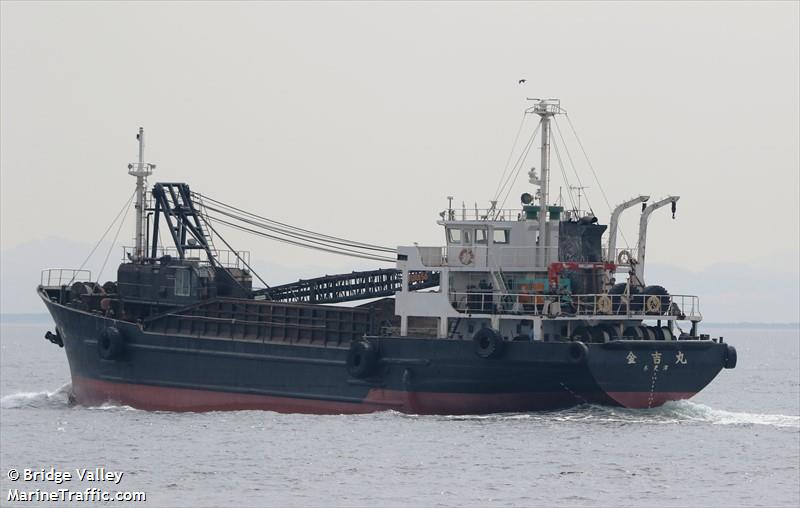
(511, 153)
(121, 210)
(594, 173)
(278, 227)
(564, 175)
(297, 236)
(344, 252)
(574, 169)
(518, 165)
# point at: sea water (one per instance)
(737, 443)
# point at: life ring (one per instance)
(466, 256)
(604, 304)
(362, 358)
(653, 304)
(488, 343)
(624, 257)
(111, 344)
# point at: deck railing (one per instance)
(503, 214)
(226, 258)
(479, 214)
(57, 277)
(635, 306)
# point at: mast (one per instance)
(141, 170)
(546, 109)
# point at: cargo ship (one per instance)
(520, 310)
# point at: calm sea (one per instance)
(736, 444)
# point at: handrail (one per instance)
(226, 258)
(501, 214)
(482, 214)
(592, 305)
(57, 277)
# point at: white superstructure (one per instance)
(538, 271)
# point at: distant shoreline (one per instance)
(40, 318)
(751, 325)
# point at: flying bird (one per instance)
(521, 81)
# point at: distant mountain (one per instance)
(735, 293)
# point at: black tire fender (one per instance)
(577, 352)
(582, 334)
(362, 358)
(488, 343)
(111, 344)
(730, 357)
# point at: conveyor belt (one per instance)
(349, 286)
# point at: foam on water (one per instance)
(671, 413)
(110, 406)
(57, 399)
(699, 412)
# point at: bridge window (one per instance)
(480, 236)
(183, 282)
(453, 236)
(501, 236)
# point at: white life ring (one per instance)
(624, 257)
(603, 304)
(653, 304)
(466, 256)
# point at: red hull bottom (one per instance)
(90, 392)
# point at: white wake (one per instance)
(37, 400)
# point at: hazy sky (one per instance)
(359, 119)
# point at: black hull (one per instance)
(161, 371)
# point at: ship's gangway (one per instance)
(348, 287)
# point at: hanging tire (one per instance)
(599, 335)
(730, 357)
(612, 331)
(111, 344)
(582, 334)
(488, 343)
(635, 333)
(577, 352)
(362, 358)
(656, 300)
(662, 333)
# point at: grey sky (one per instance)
(358, 119)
